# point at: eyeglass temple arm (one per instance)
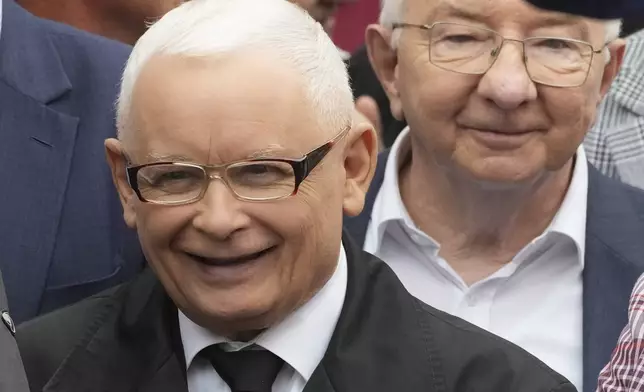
(314, 157)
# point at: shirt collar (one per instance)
(570, 219)
(388, 206)
(301, 339)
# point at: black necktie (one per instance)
(245, 370)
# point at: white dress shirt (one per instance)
(535, 301)
(300, 340)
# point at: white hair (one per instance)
(217, 27)
(393, 11)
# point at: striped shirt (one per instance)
(625, 371)
(616, 144)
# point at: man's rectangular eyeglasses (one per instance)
(551, 61)
(257, 179)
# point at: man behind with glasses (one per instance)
(486, 207)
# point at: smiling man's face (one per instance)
(233, 265)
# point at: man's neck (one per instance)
(479, 228)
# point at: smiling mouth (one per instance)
(233, 261)
(505, 133)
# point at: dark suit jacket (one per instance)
(61, 226)
(613, 262)
(12, 375)
(603, 9)
(127, 340)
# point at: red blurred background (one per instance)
(351, 21)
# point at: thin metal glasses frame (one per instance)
(430, 27)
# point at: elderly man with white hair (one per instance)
(485, 206)
(236, 159)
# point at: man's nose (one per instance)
(507, 83)
(220, 213)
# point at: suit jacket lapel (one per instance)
(133, 349)
(170, 378)
(319, 381)
(37, 148)
(614, 250)
(376, 309)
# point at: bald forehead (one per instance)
(224, 64)
(220, 100)
(245, 77)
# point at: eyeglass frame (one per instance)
(428, 27)
(302, 168)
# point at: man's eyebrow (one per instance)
(556, 20)
(271, 151)
(274, 150)
(552, 20)
(565, 21)
(451, 10)
(156, 157)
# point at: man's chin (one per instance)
(501, 176)
(234, 319)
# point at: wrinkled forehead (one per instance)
(219, 109)
(506, 16)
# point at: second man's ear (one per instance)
(616, 50)
(384, 61)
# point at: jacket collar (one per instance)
(131, 345)
(379, 316)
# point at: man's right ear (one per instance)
(117, 162)
(384, 61)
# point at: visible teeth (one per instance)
(237, 260)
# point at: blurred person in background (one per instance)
(61, 236)
(324, 12)
(625, 371)
(127, 20)
(615, 145)
(121, 20)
